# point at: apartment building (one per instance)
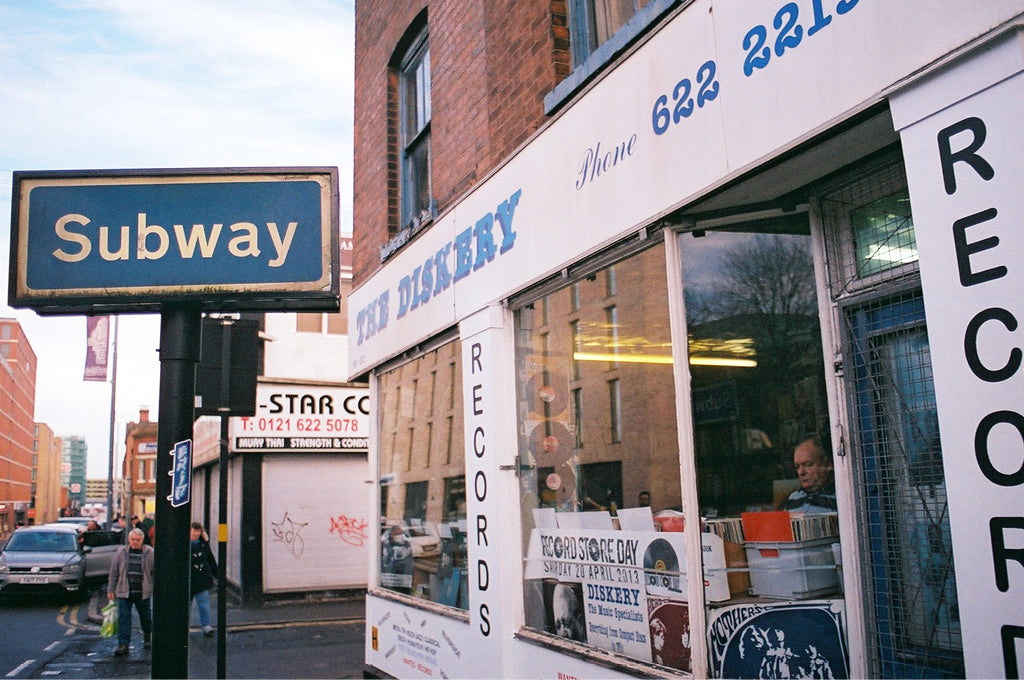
(49, 496)
(139, 466)
(17, 417)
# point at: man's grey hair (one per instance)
(137, 531)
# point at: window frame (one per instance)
(587, 63)
(413, 75)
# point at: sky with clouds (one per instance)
(121, 84)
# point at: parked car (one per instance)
(55, 558)
(100, 547)
(80, 522)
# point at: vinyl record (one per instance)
(548, 397)
(566, 491)
(550, 443)
(661, 567)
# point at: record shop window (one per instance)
(422, 477)
(764, 466)
(599, 463)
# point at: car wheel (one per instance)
(82, 594)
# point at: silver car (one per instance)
(53, 558)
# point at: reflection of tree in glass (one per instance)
(759, 293)
(764, 289)
(770, 274)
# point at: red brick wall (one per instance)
(492, 62)
(17, 418)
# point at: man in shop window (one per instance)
(817, 492)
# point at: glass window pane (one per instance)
(594, 22)
(415, 110)
(610, 16)
(423, 91)
(577, 499)
(416, 94)
(615, 410)
(422, 470)
(883, 234)
(417, 175)
(761, 443)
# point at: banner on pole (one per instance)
(97, 343)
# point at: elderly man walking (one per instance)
(131, 582)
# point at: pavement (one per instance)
(87, 655)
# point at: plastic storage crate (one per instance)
(792, 570)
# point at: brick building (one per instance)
(695, 248)
(17, 424)
(489, 102)
(50, 495)
(139, 467)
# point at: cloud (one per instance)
(117, 83)
(112, 84)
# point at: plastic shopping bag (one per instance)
(108, 628)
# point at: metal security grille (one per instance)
(871, 240)
(911, 607)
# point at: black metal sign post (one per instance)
(222, 552)
(180, 336)
(226, 386)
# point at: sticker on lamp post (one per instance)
(181, 474)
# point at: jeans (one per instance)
(124, 618)
(202, 599)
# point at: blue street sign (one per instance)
(181, 474)
(132, 240)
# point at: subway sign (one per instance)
(136, 240)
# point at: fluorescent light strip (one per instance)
(662, 359)
(723, 361)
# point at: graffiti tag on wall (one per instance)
(351, 530)
(289, 532)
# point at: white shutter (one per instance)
(316, 522)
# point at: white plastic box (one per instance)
(792, 570)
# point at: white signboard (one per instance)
(965, 169)
(411, 643)
(305, 418)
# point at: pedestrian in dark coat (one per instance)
(203, 576)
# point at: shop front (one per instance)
(718, 391)
(297, 493)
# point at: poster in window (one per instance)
(781, 640)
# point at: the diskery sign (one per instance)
(134, 237)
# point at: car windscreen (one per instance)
(41, 541)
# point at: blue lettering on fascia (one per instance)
(471, 250)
